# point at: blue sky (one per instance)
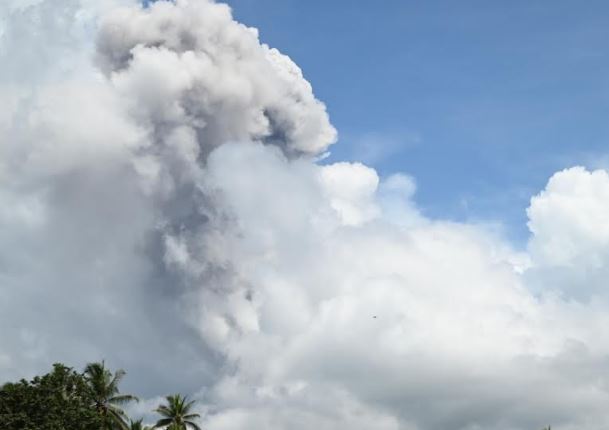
(480, 101)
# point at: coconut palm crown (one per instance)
(177, 414)
(107, 397)
(137, 425)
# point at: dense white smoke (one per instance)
(161, 207)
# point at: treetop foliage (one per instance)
(65, 399)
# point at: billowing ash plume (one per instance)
(212, 79)
(161, 207)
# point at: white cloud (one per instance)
(166, 213)
(455, 326)
(569, 245)
(350, 189)
(568, 219)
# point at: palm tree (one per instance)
(104, 388)
(177, 414)
(137, 425)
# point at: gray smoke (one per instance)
(212, 79)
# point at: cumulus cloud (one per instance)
(569, 246)
(161, 207)
(568, 219)
(424, 327)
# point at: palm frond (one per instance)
(121, 399)
(162, 423)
